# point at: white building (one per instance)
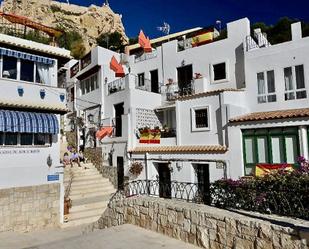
(210, 102)
(31, 188)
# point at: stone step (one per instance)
(86, 172)
(87, 200)
(92, 205)
(98, 188)
(94, 194)
(91, 185)
(89, 182)
(87, 178)
(86, 213)
(78, 222)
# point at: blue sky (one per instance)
(184, 14)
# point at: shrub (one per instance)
(281, 192)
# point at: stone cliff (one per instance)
(90, 21)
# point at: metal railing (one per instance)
(146, 56)
(116, 86)
(258, 41)
(172, 91)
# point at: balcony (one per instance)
(259, 40)
(146, 56)
(116, 86)
(31, 95)
(172, 91)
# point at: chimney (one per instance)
(296, 31)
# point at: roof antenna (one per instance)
(106, 3)
(166, 28)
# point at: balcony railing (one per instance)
(146, 56)
(258, 41)
(116, 86)
(173, 91)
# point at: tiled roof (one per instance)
(257, 116)
(50, 108)
(208, 93)
(181, 148)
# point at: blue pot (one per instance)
(42, 94)
(20, 91)
(62, 97)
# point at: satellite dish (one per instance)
(166, 28)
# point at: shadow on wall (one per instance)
(240, 67)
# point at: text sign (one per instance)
(52, 178)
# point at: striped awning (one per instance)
(26, 56)
(28, 122)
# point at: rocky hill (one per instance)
(90, 21)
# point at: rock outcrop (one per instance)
(90, 21)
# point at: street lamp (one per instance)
(90, 118)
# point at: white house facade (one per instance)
(196, 114)
(31, 102)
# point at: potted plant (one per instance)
(198, 76)
(136, 168)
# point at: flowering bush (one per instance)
(136, 168)
(281, 192)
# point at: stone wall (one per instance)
(26, 209)
(95, 156)
(208, 227)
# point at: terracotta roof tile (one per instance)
(182, 148)
(208, 93)
(257, 116)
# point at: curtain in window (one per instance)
(300, 79)
(261, 83)
(44, 73)
(288, 79)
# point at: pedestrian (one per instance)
(81, 156)
(74, 158)
(66, 159)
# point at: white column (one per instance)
(303, 141)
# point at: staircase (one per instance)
(89, 192)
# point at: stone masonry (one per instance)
(208, 227)
(31, 208)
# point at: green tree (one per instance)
(112, 41)
(72, 41)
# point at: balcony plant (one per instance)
(198, 76)
(136, 168)
(155, 135)
(144, 135)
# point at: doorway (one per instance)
(120, 173)
(164, 180)
(154, 75)
(203, 182)
(119, 111)
(185, 76)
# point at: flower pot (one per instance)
(42, 93)
(61, 97)
(20, 91)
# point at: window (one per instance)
(10, 138)
(266, 92)
(72, 94)
(294, 80)
(274, 146)
(42, 139)
(141, 79)
(200, 118)
(89, 84)
(9, 67)
(27, 70)
(42, 74)
(219, 71)
(26, 138)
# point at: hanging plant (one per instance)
(136, 168)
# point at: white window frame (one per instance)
(193, 122)
(212, 73)
(295, 90)
(83, 81)
(266, 94)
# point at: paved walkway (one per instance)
(126, 236)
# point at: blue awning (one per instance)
(26, 56)
(28, 122)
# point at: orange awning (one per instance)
(144, 42)
(116, 67)
(103, 132)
